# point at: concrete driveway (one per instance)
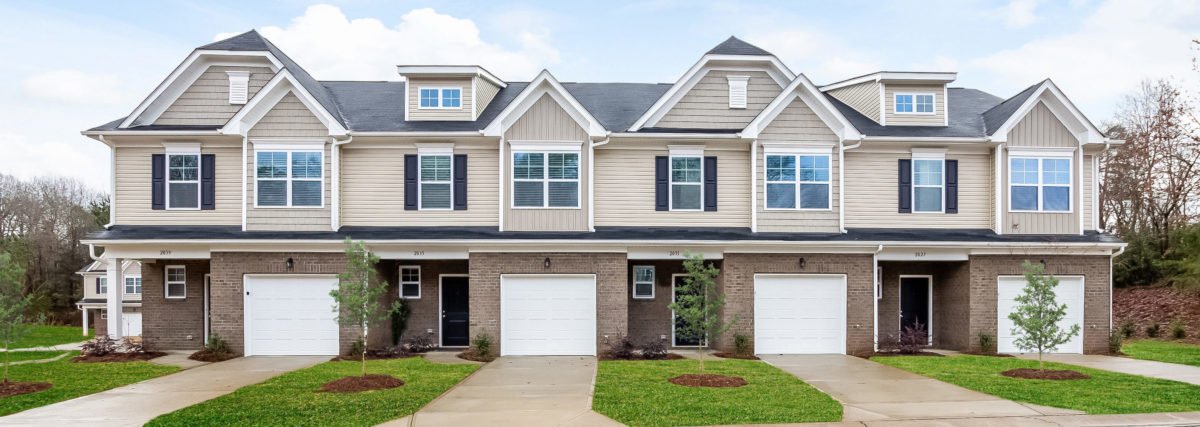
(873, 391)
(137, 403)
(1147, 368)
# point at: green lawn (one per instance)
(17, 356)
(291, 399)
(1105, 393)
(44, 335)
(72, 380)
(1163, 351)
(637, 393)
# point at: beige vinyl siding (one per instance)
(485, 91)
(415, 112)
(288, 119)
(1041, 129)
(907, 119)
(625, 188)
(872, 199)
(372, 189)
(89, 283)
(706, 105)
(795, 123)
(1089, 181)
(546, 121)
(206, 102)
(133, 188)
(862, 97)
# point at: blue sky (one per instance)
(85, 63)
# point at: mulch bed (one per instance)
(728, 355)
(605, 357)
(373, 356)
(13, 388)
(469, 354)
(1049, 374)
(894, 353)
(1145, 306)
(363, 383)
(208, 356)
(707, 380)
(119, 357)
(976, 353)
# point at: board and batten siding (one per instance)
(288, 119)
(625, 183)
(706, 105)
(546, 121)
(872, 199)
(938, 118)
(372, 189)
(415, 112)
(133, 188)
(206, 101)
(862, 97)
(797, 123)
(485, 91)
(1041, 129)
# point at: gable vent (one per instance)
(737, 91)
(239, 86)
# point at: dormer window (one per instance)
(737, 91)
(914, 103)
(440, 97)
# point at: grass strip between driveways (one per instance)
(1105, 393)
(72, 380)
(1163, 351)
(637, 393)
(290, 399)
(46, 335)
(18, 356)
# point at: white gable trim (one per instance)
(802, 88)
(779, 72)
(182, 78)
(1066, 112)
(544, 83)
(268, 96)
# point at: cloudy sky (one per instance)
(73, 65)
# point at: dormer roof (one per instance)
(735, 46)
(449, 71)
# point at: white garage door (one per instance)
(543, 314)
(1069, 292)
(290, 315)
(133, 323)
(799, 313)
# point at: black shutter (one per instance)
(460, 182)
(952, 186)
(97, 285)
(905, 180)
(158, 190)
(662, 170)
(208, 173)
(710, 183)
(410, 182)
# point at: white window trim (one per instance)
(439, 89)
(738, 83)
(797, 154)
(544, 148)
(671, 181)
(896, 104)
(167, 282)
(182, 149)
(936, 155)
(1039, 156)
(289, 149)
(103, 285)
(402, 282)
(124, 287)
(635, 282)
(429, 152)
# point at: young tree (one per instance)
(1036, 318)
(13, 304)
(699, 304)
(357, 296)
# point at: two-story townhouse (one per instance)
(554, 216)
(94, 304)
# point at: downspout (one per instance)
(754, 186)
(998, 177)
(503, 200)
(112, 183)
(842, 181)
(92, 252)
(592, 180)
(335, 212)
(245, 160)
(875, 295)
(1110, 285)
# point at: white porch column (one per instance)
(85, 325)
(116, 287)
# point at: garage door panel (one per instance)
(290, 315)
(1069, 292)
(548, 315)
(799, 313)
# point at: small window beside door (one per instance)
(176, 282)
(410, 282)
(643, 282)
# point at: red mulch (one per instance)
(469, 354)
(13, 388)
(119, 357)
(208, 356)
(373, 356)
(728, 355)
(605, 357)
(1157, 305)
(1048, 374)
(707, 380)
(364, 383)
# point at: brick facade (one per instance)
(176, 324)
(650, 319)
(426, 311)
(951, 302)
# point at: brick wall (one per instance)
(426, 311)
(611, 287)
(1097, 288)
(175, 324)
(738, 275)
(951, 285)
(650, 319)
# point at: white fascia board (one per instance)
(180, 79)
(777, 70)
(450, 70)
(815, 101)
(544, 83)
(895, 77)
(271, 94)
(666, 135)
(1062, 107)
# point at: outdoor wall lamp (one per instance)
(290, 263)
(801, 262)
(1042, 262)
(546, 263)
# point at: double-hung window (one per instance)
(183, 181)
(797, 181)
(289, 178)
(435, 181)
(440, 97)
(545, 179)
(928, 185)
(103, 285)
(914, 103)
(133, 285)
(643, 282)
(1040, 184)
(687, 186)
(175, 285)
(410, 282)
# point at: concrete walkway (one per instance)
(1156, 419)
(1125, 365)
(872, 391)
(137, 403)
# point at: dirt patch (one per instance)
(670, 356)
(976, 353)
(208, 356)
(893, 354)
(119, 357)
(469, 354)
(707, 380)
(375, 356)
(728, 355)
(13, 388)
(1157, 305)
(1048, 374)
(364, 383)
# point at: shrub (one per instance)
(482, 344)
(1115, 339)
(1177, 329)
(129, 345)
(913, 339)
(1152, 331)
(358, 348)
(622, 349)
(1126, 329)
(654, 350)
(987, 343)
(101, 346)
(422, 343)
(216, 345)
(741, 344)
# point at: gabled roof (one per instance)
(735, 46)
(803, 89)
(996, 116)
(966, 120)
(279, 86)
(1001, 118)
(544, 84)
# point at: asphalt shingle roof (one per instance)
(966, 108)
(735, 46)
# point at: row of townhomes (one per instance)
(554, 216)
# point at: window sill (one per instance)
(290, 207)
(404, 297)
(1043, 212)
(643, 298)
(176, 298)
(546, 208)
(913, 114)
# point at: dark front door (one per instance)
(914, 302)
(681, 338)
(455, 313)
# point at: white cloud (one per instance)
(1018, 13)
(26, 157)
(822, 58)
(332, 47)
(76, 87)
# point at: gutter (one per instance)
(875, 278)
(677, 135)
(150, 132)
(942, 139)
